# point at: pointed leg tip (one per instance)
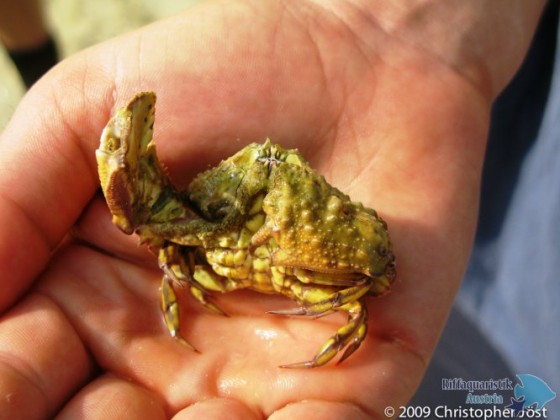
(342, 359)
(300, 365)
(185, 343)
(222, 312)
(216, 309)
(288, 312)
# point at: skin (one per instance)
(389, 101)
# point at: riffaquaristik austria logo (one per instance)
(530, 396)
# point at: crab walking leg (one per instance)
(328, 305)
(171, 312)
(350, 336)
(178, 268)
(359, 333)
(321, 300)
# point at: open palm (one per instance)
(392, 126)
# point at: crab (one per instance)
(262, 220)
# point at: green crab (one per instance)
(262, 219)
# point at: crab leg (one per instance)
(181, 268)
(320, 301)
(350, 336)
(333, 302)
(178, 269)
(171, 313)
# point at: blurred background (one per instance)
(77, 24)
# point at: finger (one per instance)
(42, 360)
(217, 408)
(46, 178)
(326, 410)
(109, 397)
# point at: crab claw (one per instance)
(118, 156)
(135, 184)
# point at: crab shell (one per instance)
(262, 219)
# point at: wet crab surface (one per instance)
(262, 219)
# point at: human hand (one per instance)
(393, 125)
